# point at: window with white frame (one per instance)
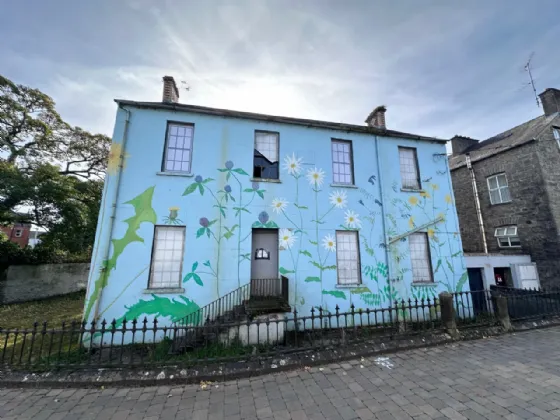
(556, 132)
(167, 257)
(18, 233)
(348, 257)
(265, 155)
(507, 237)
(342, 160)
(420, 258)
(178, 148)
(410, 176)
(498, 188)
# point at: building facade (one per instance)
(517, 178)
(18, 233)
(199, 202)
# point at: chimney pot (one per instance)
(460, 144)
(376, 118)
(170, 91)
(550, 100)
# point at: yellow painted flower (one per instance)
(425, 194)
(174, 208)
(413, 200)
(448, 199)
(431, 232)
(411, 222)
(435, 187)
(441, 216)
(114, 157)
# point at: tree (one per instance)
(50, 172)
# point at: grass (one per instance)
(53, 310)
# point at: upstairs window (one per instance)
(178, 148)
(342, 160)
(556, 132)
(507, 237)
(18, 233)
(167, 257)
(265, 156)
(498, 188)
(420, 258)
(410, 176)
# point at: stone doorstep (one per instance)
(174, 374)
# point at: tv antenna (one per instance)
(532, 82)
(184, 85)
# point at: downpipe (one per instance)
(477, 203)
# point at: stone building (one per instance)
(512, 217)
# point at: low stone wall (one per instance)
(24, 283)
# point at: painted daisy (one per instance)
(411, 223)
(352, 220)
(431, 232)
(315, 177)
(413, 200)
(448, 199)
(286, 238)
(329, 243)
(338, 199)
(279, 205)
(292, 164)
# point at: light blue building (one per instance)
(199, 202)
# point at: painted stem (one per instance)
(317, 238)
(239, 236)
(122, 292)
(218, 241)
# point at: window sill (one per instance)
(275, 181)
(344, 186)
(412, 190)
(424, 284)
(183, 174)
(348, 286)
(164, 291)
(500, 204)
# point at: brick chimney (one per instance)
(550, 100)
(170, 91)
(376, 118)
(460, 144)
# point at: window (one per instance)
(343, 168)
(18, 233)
(262, 254)
(265, 155)
(410, 177)
(167, 257)
(348, 258)
(420, 258)
(507, 237)
(556, 132)
(498, 188)
(178, 149)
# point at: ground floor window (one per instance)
(348, 258)
(167, 257)
(420, 258)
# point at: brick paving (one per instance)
(508, 377)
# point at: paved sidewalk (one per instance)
(512, 377)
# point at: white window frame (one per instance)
(501, 189)
(556, 133)
(344, 255)
(167, 279)
(507, 234)
(268, 134)
(409, 168)
(420, 258)
(18, 233)
(179, 140)
(339, 163)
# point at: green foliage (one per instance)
(306, 253)
(285, 271)
(461, 283)
(360, 290)
(371, 299)
(312, 279)
(339, 294)
(270, 224)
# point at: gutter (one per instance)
(477, 203)
(114, 202)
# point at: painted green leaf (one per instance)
(240, 171)
(461, 282)
(312, 279)
(257, 225)
(306, 253)
(456, 254)
(339, 294)
(450, 266)
(143, 212)
(194, 266)
(200, 232)
(301, 207)
(329, 267)
(240, 209)
(206, 263)
(187, 277)
(302, 301)
(261, 195)
(228, 235)
(248, 190)
(223, 170)
(197, 279)
(228, 175)
(201, 189)
(191, 188)
(438, 265)
(211, 222)
(312, 242)
(271, 224)
(359, 290)
(207, 180)
(285, 271)
(316, 264)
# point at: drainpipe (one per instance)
(387, 245)
(114, 202)
(477, 203)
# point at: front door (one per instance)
(264, 256)
(476, 286)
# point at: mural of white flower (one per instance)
(352, 220)
(286, 238)
(292, 164)
(279, 205)
(329, 243)
(315, 177)
(338, 199)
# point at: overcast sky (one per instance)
(441, 67)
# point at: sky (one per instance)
(441, 67)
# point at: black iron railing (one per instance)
(526, 304)
(270, 288)
(476, 308)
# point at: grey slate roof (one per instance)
(514, 137)
(278, 119)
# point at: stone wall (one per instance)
(32, 282)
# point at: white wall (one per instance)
(489, 261)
